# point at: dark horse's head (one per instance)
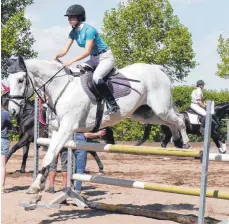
(222, 110)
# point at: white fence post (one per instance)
(204, 175)
(36, 136)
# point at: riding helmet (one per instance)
(78, 11)
(200, 82)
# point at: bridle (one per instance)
(22, 67)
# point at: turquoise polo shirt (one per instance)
(88, 33)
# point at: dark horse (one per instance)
(221, 110)
(26, 135)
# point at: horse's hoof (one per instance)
(138, 143)
(101, 172)
(35, 198)
(187, 146)
(42, 186)
(222, 151)
(163, 145)
(22, 170)
(17, 171)
(33, 190)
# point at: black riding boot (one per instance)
(106, 93)
(202, 125)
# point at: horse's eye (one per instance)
(20, 80)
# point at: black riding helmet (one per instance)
(78, 11)
(200, 82)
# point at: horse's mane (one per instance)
(224, 103)
(52, 64)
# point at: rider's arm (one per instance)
(95, 135)
(201, 103)
(87, 52)
(199, 96)
(65, 50)
(90, 40)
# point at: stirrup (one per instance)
(112, 108)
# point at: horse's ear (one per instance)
(9, 61)
(21, 62)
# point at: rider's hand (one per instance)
(54, 58)
(101, 132)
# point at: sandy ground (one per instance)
(175, 171)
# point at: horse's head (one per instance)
(19, 84)
(222, 110)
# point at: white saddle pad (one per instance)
(194, 118)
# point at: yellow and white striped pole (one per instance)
(150, 186)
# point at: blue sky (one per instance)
(205, 19)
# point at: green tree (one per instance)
(223, 51)
(15, 32)
(148, 31)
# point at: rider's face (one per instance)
(201, 86)
(73, 20)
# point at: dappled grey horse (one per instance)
(150, 101)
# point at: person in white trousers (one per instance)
(197, 103)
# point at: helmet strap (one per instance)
(77, 26)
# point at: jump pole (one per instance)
(137, 150)
(150, 186)
(126, 149)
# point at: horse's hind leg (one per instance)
(149, 117)
(24, 158)
(98, 161)
(147, 130)
(171, 118)
(178, 120)
(166, 136)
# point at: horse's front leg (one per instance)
(25, 157)
(57, 143)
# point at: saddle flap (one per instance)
(191, 111)
(119, 87)
(194, 118)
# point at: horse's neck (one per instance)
(26, 112)
(220, 111)
(40, 72)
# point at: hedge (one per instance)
(128, 130)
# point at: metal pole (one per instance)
(228, 130)
(204, 176)
(36, 136)
(69, 169)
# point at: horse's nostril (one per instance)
(14, 112)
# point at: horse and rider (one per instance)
(197, 103)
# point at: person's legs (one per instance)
(106, 63)
(64, 165)
(52, 176)
(198, 109)
(201, 111)
(81, 161)
(5, 144)
(3, 175)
